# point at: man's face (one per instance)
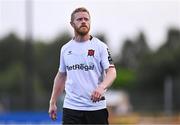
(81, 23)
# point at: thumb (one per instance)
(53, 115)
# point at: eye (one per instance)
(86, 19)
(79, 19)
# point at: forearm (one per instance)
(109, 78)
(58, 87)
(105, 84)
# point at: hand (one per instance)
(52, 111)
(98, 93)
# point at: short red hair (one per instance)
(80, 9)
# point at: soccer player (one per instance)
(86, 71)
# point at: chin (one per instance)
(84, 32)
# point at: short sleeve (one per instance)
(106, 60)
(62, 67)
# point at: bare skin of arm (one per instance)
(107, 82)
(58, 88)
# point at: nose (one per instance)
(83, 20)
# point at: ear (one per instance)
(72, 24)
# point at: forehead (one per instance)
(81, 15)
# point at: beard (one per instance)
(82, 30)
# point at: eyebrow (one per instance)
(83, 18)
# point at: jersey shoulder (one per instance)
(99, 43)
(65, 46)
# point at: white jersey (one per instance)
(84, 63)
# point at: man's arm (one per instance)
(58, 87)
(107, 82)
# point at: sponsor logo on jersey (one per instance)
(80, 67)
(91, 52)
(109, 57)
(69, 52)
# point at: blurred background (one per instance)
(144, 39)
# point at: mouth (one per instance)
(84, 26)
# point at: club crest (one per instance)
(91, 52)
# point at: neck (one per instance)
(80, 38)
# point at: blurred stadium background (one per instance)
(146, 90)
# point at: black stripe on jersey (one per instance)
(109, 57)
